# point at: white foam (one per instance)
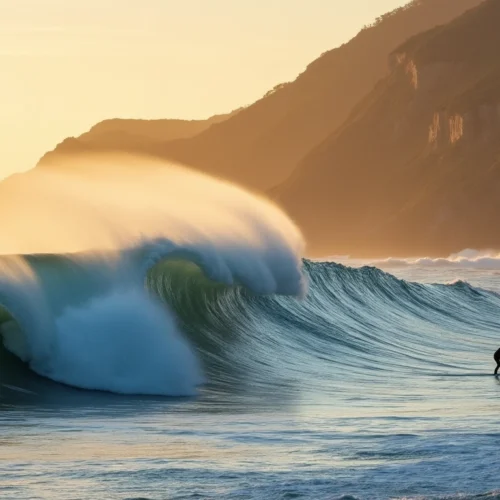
(96, 327)
(466, 259)
(125, 343)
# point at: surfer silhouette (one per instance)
(496, 357)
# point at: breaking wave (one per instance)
(467, 259)
(86, 318)
(198, 282)
(87, 323)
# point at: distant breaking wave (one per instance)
(467, 259)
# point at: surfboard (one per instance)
(17, 389)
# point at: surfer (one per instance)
(496, 357)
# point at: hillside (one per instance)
(130, 135)
(261, 145)
(416, 167)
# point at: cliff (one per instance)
(415, 169)
(261, 145)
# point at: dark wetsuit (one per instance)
(496, 357)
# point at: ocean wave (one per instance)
(352, 320)
(91, 325)
(86, 318)
(218, 295)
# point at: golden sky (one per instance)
(67, 64)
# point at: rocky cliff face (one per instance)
(410, 167)
(260, 146)
(416, 167)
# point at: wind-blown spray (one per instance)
(74, 302)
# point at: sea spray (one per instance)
(77, 309)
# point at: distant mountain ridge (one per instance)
(132, 135)
(416, 167)
(260, 146)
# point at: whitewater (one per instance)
(83, 316)
(163, 337)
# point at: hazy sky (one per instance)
(67, 64)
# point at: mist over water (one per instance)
(113, 201)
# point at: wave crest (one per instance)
(85, 318)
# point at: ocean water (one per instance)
(375, 384)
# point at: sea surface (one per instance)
(376, 384)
